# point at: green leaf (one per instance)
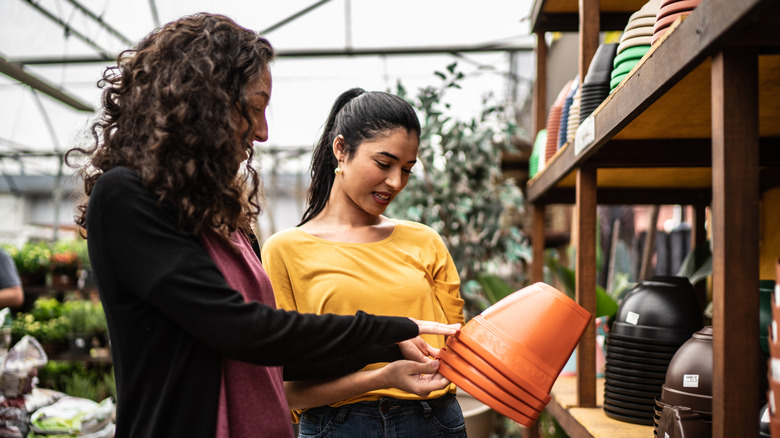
(697, 265)
(495, 288)
(605, 304)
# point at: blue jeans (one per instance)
(386, 418)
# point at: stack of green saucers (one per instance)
(634, 42)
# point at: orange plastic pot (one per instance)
(537, 400)
(483, 396)
(486, 384)
(530, 333)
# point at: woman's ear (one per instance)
(338, 147)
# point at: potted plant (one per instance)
(32, 262)
(64, 264)
(84, 322)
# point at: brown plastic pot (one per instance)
(531, 333)
(660, 404)
(690, 370)
(536, 400)
(482, 395)
(697, 402)
(681, 422)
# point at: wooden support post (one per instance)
(589, 34)
(537, 243)
(586, 283)
(735, 224)
(540, 85)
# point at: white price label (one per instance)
(632, 318)
(585, 135)
(777, 294)
(690, 380)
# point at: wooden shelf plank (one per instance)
(673, 78)
(588, 422)
(563, 15)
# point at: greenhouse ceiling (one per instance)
(52, 53)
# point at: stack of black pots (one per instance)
(688, 385)
(653, 320)
(595, 84)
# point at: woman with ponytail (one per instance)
(346, 256)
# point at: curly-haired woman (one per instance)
(171, 197)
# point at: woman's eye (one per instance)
(408, 171)
(382, 165)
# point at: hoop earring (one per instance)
(337, 170)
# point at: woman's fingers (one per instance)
(436, 328)
(416, 349)
(417, 377)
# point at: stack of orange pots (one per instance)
(554, 122)
(509, 356)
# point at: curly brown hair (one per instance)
(172, 109)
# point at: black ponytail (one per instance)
(357, 115)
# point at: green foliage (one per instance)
(697, 265)
(75, 379)
(45, 309)
(35, 258)
(51, 330)
(50, 320)
(31, 259)
(606, 305)
(457, 187)
(549, 427)
(494, 286)
(84, 317)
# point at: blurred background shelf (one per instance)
(696, 123)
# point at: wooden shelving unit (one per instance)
(696, 123)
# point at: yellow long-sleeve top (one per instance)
(410, 273)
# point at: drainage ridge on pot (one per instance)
(520, 390)
(483, 396)
(486, 384)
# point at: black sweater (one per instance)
(172, 317)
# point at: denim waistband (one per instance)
(388, 406)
